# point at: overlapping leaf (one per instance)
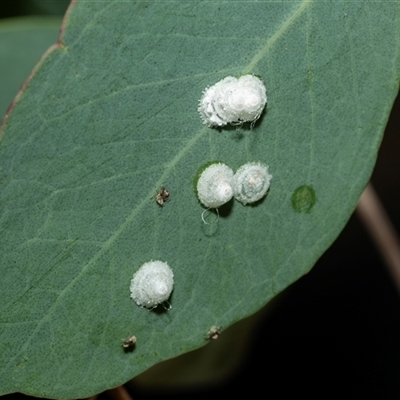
(22, 42)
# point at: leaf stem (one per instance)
(119, 393)
(373, 215)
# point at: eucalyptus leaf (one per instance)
(110, 115)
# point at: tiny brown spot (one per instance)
(214, 332)
(162, 196)
(128, 342)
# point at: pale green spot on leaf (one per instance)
(303, 199)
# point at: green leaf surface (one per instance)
(111, 114)
(22, 42)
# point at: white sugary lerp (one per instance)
(251, 182)
(214, 187)
(152, 284)
(233, 101)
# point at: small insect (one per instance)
(233, 101)
(128, 342)
(214, 187)
(251, 182)
(162, 196)
(214, 332)
(152, 284)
